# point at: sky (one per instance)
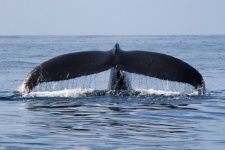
(112, 17)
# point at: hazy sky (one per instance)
(112, 17)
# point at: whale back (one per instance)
(118, 80)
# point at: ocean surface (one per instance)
(82, 114)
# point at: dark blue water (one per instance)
(70, 115)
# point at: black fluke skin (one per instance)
(151, 64)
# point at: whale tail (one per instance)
(69, 66)
(78, 64)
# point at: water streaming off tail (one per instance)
(100, 81)
(97, 81)
(141, 82)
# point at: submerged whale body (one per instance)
(151, 64)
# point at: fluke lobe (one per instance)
(147, 63)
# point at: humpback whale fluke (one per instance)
(147, 63)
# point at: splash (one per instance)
(96, 85)
(87, 92)
(62, 93)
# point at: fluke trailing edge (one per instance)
(151, 64)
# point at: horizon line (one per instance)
(113, 35)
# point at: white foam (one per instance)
(158, 92)
(79, 92)
(21, 88)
